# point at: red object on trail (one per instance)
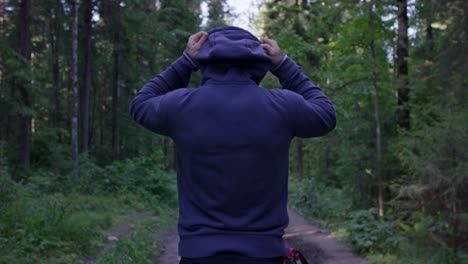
(293, 256)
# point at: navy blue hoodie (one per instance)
(232, 139)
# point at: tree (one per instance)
(87, 15)
(402, 61)
(378, 126)
(116, 82)
(289, 22)
(34, 91)
(24, 48)
(217, 13)
(151, 5)
(55, 39)
(194, 5)
(74, 118)
(433, 149)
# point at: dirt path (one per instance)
(169, 248)
(318, 246)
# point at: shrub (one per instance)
(51, 216)
(367, 233)
(142, 176)
(8, 189)
(49, 150)
(36, 225)
(138, 248)
(90, 176)
(313, 198)
(78, 228)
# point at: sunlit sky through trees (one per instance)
(243, 12)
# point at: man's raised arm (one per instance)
(311, 114)
(147, 108)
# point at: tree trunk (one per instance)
(116, 87)
(150, 5)
(74, 120)
(55, 42)
(455, 228)
(402, 74)
(429, 31)
(94, 117)
(24, 48)
(194, 5)
(378, 136)
(88, 13)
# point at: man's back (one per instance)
(232, 164)
(232, 139)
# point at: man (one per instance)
(232, 139)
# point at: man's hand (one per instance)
(195, 43)
(272, 49)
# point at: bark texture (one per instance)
(74, 120)
(402, 55)
(24, 48)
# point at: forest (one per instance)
(391, 180)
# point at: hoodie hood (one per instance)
(232, 54)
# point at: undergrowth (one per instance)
(392, 239)
(53, 218)
(142, 245)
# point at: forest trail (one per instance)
(121, 231)
(317, 245)
(169, 249)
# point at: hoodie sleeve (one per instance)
(310, 112)
(148, 107)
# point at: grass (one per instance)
(409, 253)
(141, 246)
(47, 217)
(64, 229)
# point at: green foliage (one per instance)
(38, 221)
(139, 247)
(36, 225)
(367, 233)
(315, 199)
(436, 181)
(416, 254)
(143, 176)
(440, 166)
(14, 63)
(8, 188)
(418, 225)
(422, 168)
(131, 251)
(49, 149)
(80, 228)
